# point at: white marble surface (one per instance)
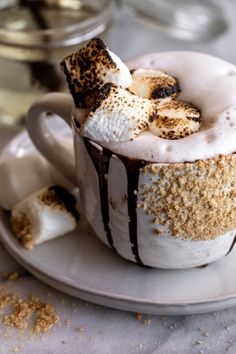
(108, 331)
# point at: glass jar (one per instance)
(35, 35)
(194, 20)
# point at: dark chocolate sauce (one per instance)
(101, 161)
(232, 245)
(202, 266)
(67, 199)
(133, 169)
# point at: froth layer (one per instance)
(207, 82)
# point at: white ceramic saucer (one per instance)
(80, 265)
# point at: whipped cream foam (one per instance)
(207, 82)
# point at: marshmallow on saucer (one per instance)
(43, 216)
(118, 115)
(20, 177)
(90, 68)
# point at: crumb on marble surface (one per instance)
(31, 314)
(80, 329)
(68, 323)
(147, 322)
(11, 276)
(6, 299)
(19, 317)
(138, 316)
(46, 315)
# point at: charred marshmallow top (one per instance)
(207, 82)
(90, 68)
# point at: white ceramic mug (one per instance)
(109, 186)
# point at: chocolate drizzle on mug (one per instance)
(202, 266)
(232, 245)
(101, 160)
(133, 169)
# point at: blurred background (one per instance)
(36, 34)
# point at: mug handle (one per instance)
(49, 146)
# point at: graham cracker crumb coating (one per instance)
(21, 227)
(196, 200)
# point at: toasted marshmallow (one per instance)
(118, 115)
(20, 177)
(176, 119)
(90, 68)
(44, 215)
(153, 84)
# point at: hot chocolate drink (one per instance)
(154, 149)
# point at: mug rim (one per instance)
(100, 147)
(77, 127)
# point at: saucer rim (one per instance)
(117, 301)
(104, 298)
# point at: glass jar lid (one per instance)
(52, 23)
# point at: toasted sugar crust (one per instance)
(157, 83)
(118, 115)
(188, 110)
(176, 119)
(85, 71)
